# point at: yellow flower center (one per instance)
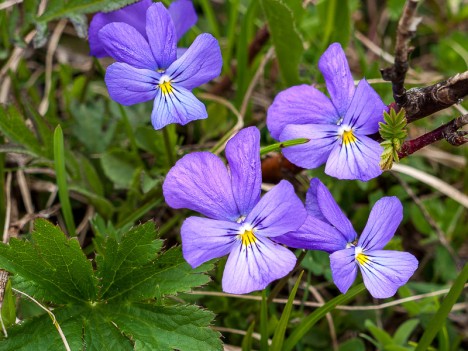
(166, 87)
(348, 137)
(362, 259)
(248, 238)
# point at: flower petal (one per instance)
(183, 15)
(200, 182)
(243, 155)
(125, 44)
(386, 271)
(204, 239)
(279, 211)
(162, 35)
(333, 213)
(311, 203)
(340, 84)
(356, 160)
(366, 110)
(383, 221)
(201, 63)
(344, 268)
(253, 267)
(131, 14)
(302, 104)
(314, 234)
(180, 106)
(128, 85)
(313, 153)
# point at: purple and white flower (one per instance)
(240, 223)
(182, 13)
(327, 228)
(337, 127)
(148, 67)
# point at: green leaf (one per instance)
(264, 323)
(394, 133)
(286, 39)
(282, 145)
(404, 331)
(278, 338)
(8, 306)
(63, 8)
(120, 166)
(438, 320)
(247, 340)
(61, 174)
(352, 345)
(52, 262)
(13, 126)
(309, 321)
(380, 335)
(335, 21)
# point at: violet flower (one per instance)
(337, 127)
(239, 223)
(182, 13)
(327, 228)
(148, 69)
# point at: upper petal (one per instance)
(343, 267)
(366, 110)
(131, 14)
(180, 106)
(314, 234)
(311, 203)
(386, 271)
(201, 63)
(200, 182)
(316, 151)
(204, 239)
(162, 35)
(333, 213)
(383, 221)
(253, 267)
(128, 85)
(357, 160)
(302, 104)
(279, 211)
(125, 44)
(243, 155)
(340, 84)
(183, 15)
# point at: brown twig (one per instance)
(406, 30)
(449, 131)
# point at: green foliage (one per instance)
(399, 341)
(286, 39)
(119, 304)
(394, 133)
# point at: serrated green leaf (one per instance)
(286, 39)
(394, 133)
(51, 261)
(63, 8)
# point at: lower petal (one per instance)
(385, 271)
(314, 234)
(204, 239)
(129, 85)
(179, 106)
(313, 153)
(356, 160)
(253, 267)
(343, 267)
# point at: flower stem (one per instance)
(281, 145)
(167, 144)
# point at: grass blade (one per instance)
(61, 174)
(264, 323)
(438, 321)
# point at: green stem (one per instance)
(439, 319)
(281, 145)
(167, 144)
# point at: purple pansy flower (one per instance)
(337, 127)
(328, 229)
(239, 223)
(148, 69)
(182, 13)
